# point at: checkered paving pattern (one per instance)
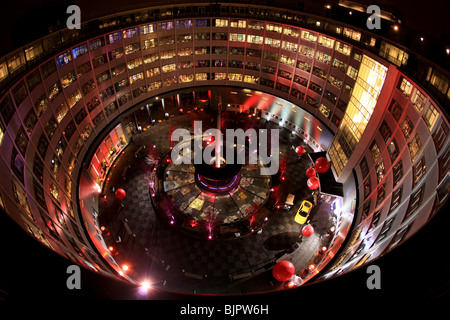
(177, 261)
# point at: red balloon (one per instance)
(283, 270)
(307, 230)
(313, 183)
(300, 150)
(322, 165)
(120, 194)
(310, 172)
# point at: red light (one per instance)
(283, 178)
(168, 160)
(311, 267)
(111, 248)
(278, 207)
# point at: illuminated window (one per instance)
(325, 110)
(63, 59)
(33, 52)
(393, 54)
(396, 110)
(407, 127)
(185, 37)
(385, 131)
(364, 97)
(168, 54)
(287, 60)
(235, 77)
(206, 36)
(397, 172)
(169, 81)
(375, 150)
(74, 98)
(303, 65)
(151, 58)
(3, 71)
(322, 57)
(273, 27)
(149, 28)
(419, 170)
(136, 77)
(405, 87)
(166, 25)
(415, 201)
(61, 111)
(352, 34)
(272, 42)
(340, 65)
(381, 192)
(114, 37)
(116, 54)
(185, 64)
(393, 150)
(118, 70)
(307, 51)
(352, 72)
(335, 81)
(430, 117)
(310, 36)
(251, 79)
(380, 170)
(414, 147)
(256, 25)
(293, 32)
(133, 47)
(154, 85)
(79, 51)
(342, 48)
(16, 61)
(184, 24)
(149, 43)
(67, 79)
(254, 39)
(201, 76)
(289, 46)
(418, 100)
(21, 198)
(186, 78)
(221, 23)
(41, 105)
(2, 134)
(238, 23)
(325, 41)
(134, 63)
(439, 80)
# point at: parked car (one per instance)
(303, 212)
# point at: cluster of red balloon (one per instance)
(300, 150)
(120, 194)
(321, 165)
(283, 270)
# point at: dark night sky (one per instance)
(427, 17)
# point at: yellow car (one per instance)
(303, 212)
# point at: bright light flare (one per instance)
(144, 288)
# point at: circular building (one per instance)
(196, 113)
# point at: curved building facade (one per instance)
(76, 103)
